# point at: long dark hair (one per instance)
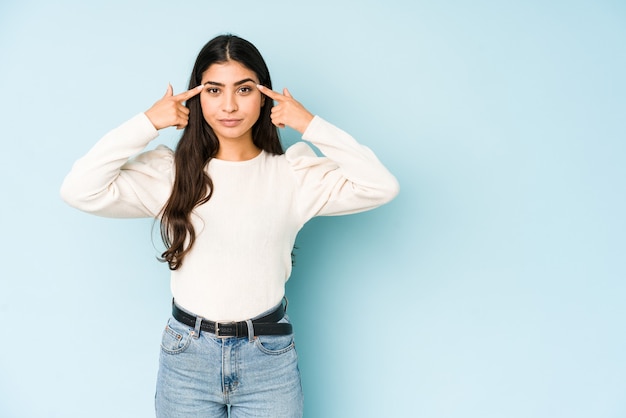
(198, 144)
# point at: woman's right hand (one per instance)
(170, 110)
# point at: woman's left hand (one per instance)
(288, 111)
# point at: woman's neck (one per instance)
(237, 151)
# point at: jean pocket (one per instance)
(176, 337)
(275, 344)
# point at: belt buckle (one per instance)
(217, 329)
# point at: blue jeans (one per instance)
(201, 375)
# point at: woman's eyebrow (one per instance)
(238, 83)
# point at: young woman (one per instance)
(230, 204)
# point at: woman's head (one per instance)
(224, 53)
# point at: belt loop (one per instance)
(250, 330)
(196, 330)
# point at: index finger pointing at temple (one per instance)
(189, 93)
(270, 93)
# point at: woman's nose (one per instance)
(230, 103)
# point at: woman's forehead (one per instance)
(228, 73)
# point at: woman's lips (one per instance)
(230, 122)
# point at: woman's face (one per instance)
(230, 101)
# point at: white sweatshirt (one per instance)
(241, 259)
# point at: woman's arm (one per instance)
(107, 182)
(348, 179)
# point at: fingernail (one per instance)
(260, 87)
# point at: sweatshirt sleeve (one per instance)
(108, 182)
(347, 179)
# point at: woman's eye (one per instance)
(245, 90)
(213, 90)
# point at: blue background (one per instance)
(493, 286)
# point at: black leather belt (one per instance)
(266, 325)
